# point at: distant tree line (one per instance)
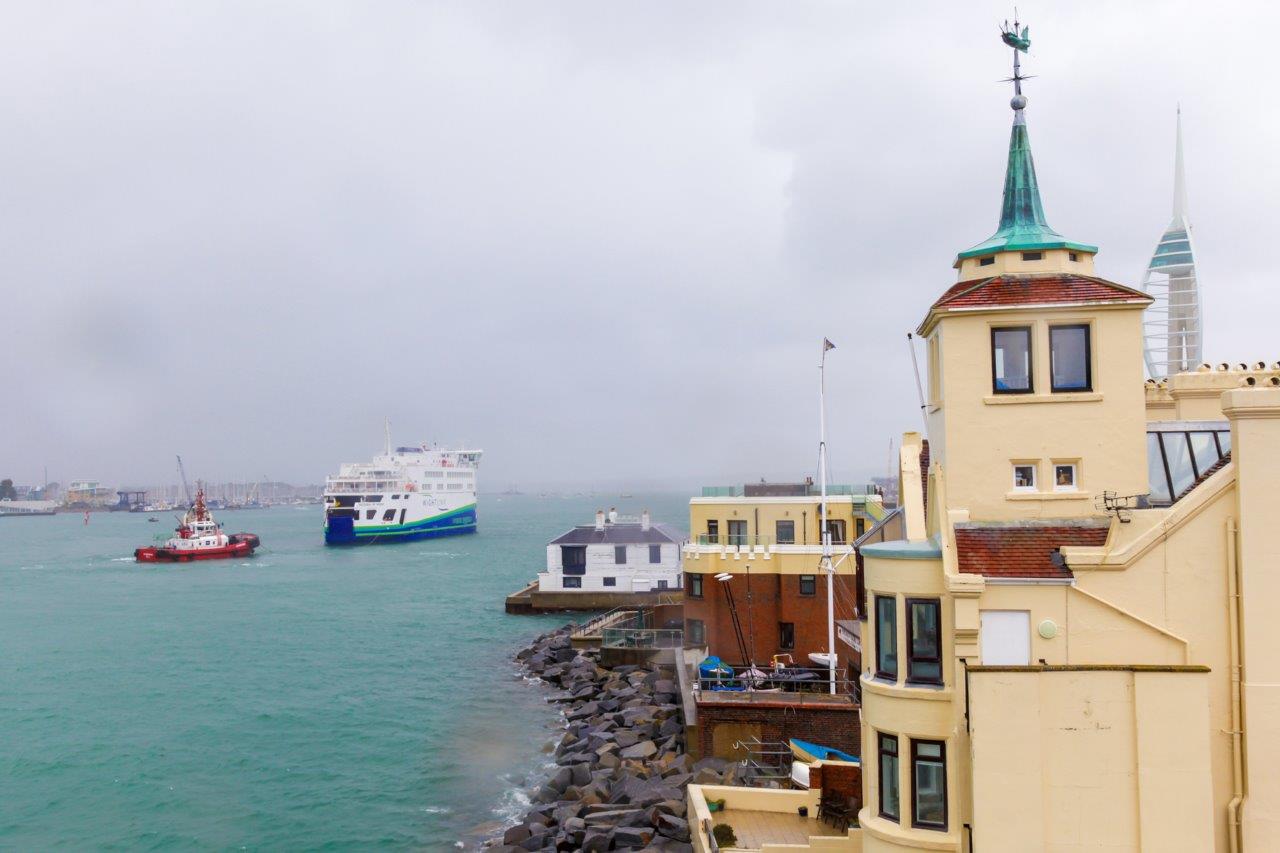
(7, 490)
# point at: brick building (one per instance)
(758, 546)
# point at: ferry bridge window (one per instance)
(1069, 358)
(785, 532)
(1011, 360)
(369, 514)
(389, 515)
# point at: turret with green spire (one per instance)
(1023, 226)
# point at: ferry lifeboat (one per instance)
(199, 538)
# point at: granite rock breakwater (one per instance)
(622, 765)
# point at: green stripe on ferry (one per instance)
(411, 527)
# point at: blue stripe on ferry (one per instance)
(461, 520)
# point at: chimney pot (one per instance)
(599, 519)
(644, 520)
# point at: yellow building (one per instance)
(1071, 646)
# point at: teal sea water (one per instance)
(307, 698)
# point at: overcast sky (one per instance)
(602, 241)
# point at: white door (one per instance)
(1006, 637)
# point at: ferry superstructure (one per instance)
(403, 494)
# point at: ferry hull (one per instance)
(342, 530)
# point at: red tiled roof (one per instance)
(1021, 551)
(1002, 290)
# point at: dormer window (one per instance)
(1033, 256)
(1011, 360)
(987, 261)
(1069, 358)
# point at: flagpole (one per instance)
(826, 534)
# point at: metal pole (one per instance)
(826, 534)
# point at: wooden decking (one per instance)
(755, 829)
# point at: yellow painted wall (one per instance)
(978, 435)
(1090, 760)
(761, 517)
(1054, 260)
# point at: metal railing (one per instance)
(735, 540)
(642, 638)
(763, 683)
(623, 616)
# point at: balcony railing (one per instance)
(642, 638)
(763, 682)
(735, 540)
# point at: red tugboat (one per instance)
(199, 538)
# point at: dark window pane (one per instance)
(572, 583)
(1224, 441)
(695, 586)
(1011, 351)
(786, 532)
(889, 803)
(1156, 478)
(695, 631)
(655, 553)
(929, 780)
(619, 554)
(886, 636)
(610, 581)
(925, 660)
(808, 584)
(786, 635)
(1177, 454)
(1069, 357)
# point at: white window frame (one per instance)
(1075, 477)
(1013, 470)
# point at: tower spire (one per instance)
(1023, 224)
(1179, 175)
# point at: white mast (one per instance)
(386, 427)
(826, 534)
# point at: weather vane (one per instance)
(1018, 38)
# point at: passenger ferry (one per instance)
(405, 494)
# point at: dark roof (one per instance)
(622, 533)
(1023, 550)
(1032, 289)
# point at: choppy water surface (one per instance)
(308, 697)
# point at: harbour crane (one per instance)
(186, 487)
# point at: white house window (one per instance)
(572, 583)
(610, 581)
(1024, 477)
(655, 553)
(620, 554)
(1064, 477)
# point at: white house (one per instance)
(614, 555)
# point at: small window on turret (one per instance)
(987, 261)
(1073, 256)
(1033, 256)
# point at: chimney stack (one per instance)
(599, 519)
(613, 515)
(644, 520)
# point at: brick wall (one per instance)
(839, 780)
(778, 722)
(774, 599)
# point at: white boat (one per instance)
(403, 494)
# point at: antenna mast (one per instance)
(825, 564)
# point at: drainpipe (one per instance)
(1233, 617)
